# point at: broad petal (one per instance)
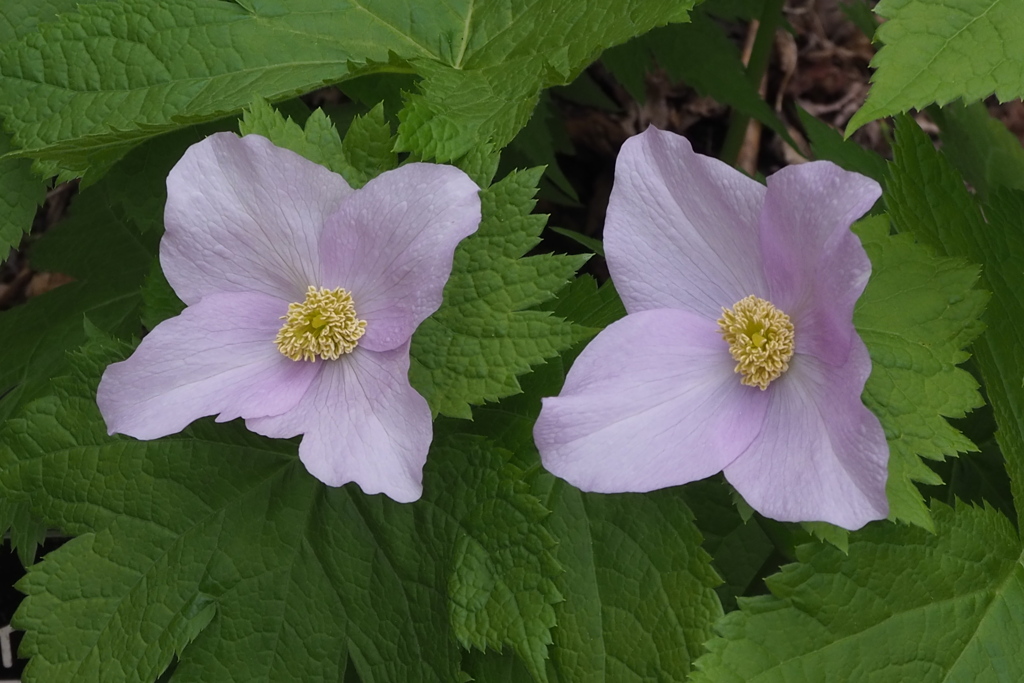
(822, 455)
(363, 422)
(391, 244)
(244, 215)
(816, 267)
(651, 402)
(217, 357)
(681, 228)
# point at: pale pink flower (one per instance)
(258, 242)
(771, 395)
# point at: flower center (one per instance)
(324, 325)
(760, 339)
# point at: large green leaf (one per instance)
(502, 589)
(486, 332)
(109, 261)
(639, 599)
(903, 605)
(638, 588)
(916, 316)
(489, 91)
(220, 538)
(738, 545)
(20, 191)
(364, 153)
(981, 147)
(928, 198)
(941, 51)
(18, 19)
(85, 88)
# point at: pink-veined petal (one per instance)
(651, 402)
(681, 229)
(217, 357)
(822, 455)
(816, 267)
(391, 245)
(244, 215)
(361, 421)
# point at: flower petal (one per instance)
(361, 421)
(245, 215)
(681, 230)
(391, 245)
(822, 455)
(816, 267)
(651, 402)
(218, 356)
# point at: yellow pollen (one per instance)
(324, 326)
(760, 339)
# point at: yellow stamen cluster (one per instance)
(324, 326)
(760, 339)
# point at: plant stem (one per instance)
(756, 67)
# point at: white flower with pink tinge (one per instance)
(738, 353)
(303, 295)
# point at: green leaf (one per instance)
(736, 10)
(828, 143)
(116, 73)
(942, 51)
(318, 140)
(108, 260)
(588, 304)
(916, 316)
(585, 92)
(639, 591)
(367, 147)
(859, 12)
(20, 193)
(928, 198)
(700, 54)
(494, 667)
(380, 88)
(137, 184)
(830, 533)
(592, 308)
(535, 145)
(586, 241)
(982, 149)
(480, 163)
(84, 89)
(639, 599)
(20, 190)
(981, 479)
(220, 533)
(18, 19)
(739, 548)
(904, 605)
(159, 302)
(489, 90)
(99, 561)
(364, 154)
(485, 334)
(501, 589)
(26, 531)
